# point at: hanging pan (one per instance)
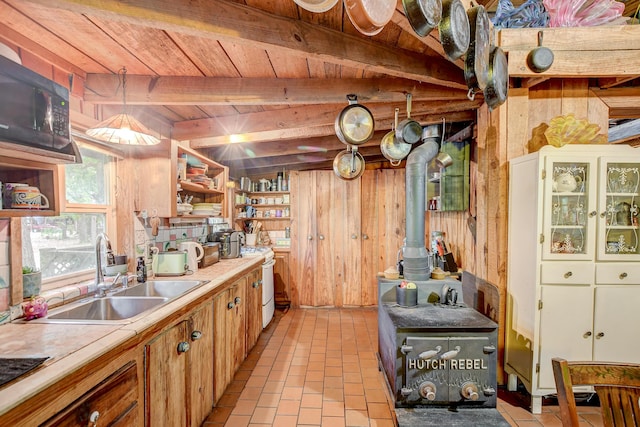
(317, 6)
(349, 164)
(495, 94)
(369, 17)
(476, 64)
(354, 125)
(391, 147)
(454, 29)
(540, 59)
(408, 131)
(423, 15)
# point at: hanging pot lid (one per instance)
(317, 6)
(370, 16)
(354, 125)
(476, 64)
(423, 15)
(454, 29)
(348, 164)
(495, 94)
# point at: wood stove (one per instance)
(436, 354)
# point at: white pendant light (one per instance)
(123, 128)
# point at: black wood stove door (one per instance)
(449, 370)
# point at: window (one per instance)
(63, 247)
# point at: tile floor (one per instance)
(318, 367)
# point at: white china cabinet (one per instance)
(573, 276)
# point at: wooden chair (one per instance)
(617, 386)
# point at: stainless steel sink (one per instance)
(105, 309)
(159, 288)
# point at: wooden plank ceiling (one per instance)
(266, 72)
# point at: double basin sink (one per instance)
(124, 304)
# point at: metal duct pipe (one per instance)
(416, 264)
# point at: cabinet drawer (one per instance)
(576, 273)
(618, 273)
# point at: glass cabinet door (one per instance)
(569, 217)
(618, 209)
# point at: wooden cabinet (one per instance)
(573, 247)
(179, 369)
(45, 176)
(229, 334)
(113, 402)
(154, 170)
(282, 289)
(253, 308)
(337, 231)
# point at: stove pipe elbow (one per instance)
(416, 264)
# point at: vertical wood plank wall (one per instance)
(502, 135)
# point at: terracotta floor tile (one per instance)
(356, 418)
(355, 402)
(250, 393)
(374, 422)
(333, 382)
(288, 407)
(333, 394)
(238, 421)
(263, 415)
(375, 396)
(333, 421)
(294, 381)
(244, 407)
(311, 401)
(219, 414)
(273, 387)
(313, 386)
(292, 393)
(315, 376)
(379, 410)
(278, 375)
(351, 389)
(229, 399)
(317, 357)
(332, 409)
(285, 421)
(255, 381)
(333, 361)
(269, 400)
(310, 416)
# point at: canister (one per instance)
(406, 297)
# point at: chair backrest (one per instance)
(617, 386)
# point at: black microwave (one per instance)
(34, 110)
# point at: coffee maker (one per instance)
(230, 242)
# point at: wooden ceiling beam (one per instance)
(307, 122)
(180, 90)
(230, 21)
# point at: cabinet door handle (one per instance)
(593, 213)
(255, 284)
(600, 335)
(309, 237)
(93, 419)
(568, 274)
(587, 334)
(602, 214)
(354, 236)
(230, 305)
(183, 347)
(365, 236)
(623, 276)
(196, 335)
(237, 300)
(321, 237)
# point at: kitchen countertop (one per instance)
(71, 345)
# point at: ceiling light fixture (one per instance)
(123, 128)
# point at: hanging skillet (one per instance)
(423, 15)
(317, 6)
(369, 17)
(495, 94)
(476, 64)
(454, 29)
(348, 164)
(391, 147)
(354, 125)
(408, 131)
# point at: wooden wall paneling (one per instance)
(545, 103)
(574, 94)
(391, 216)
(324, 281)
(519, 135)
(598, 112)
(352, 262)
(481, 193)
(303, 238)
(369, 238)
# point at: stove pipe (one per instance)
(416, 265)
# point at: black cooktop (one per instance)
(437, 316)
(12, 368)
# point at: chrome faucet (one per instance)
(101, 287)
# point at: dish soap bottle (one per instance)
(141, 270)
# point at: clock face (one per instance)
(356, 124)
